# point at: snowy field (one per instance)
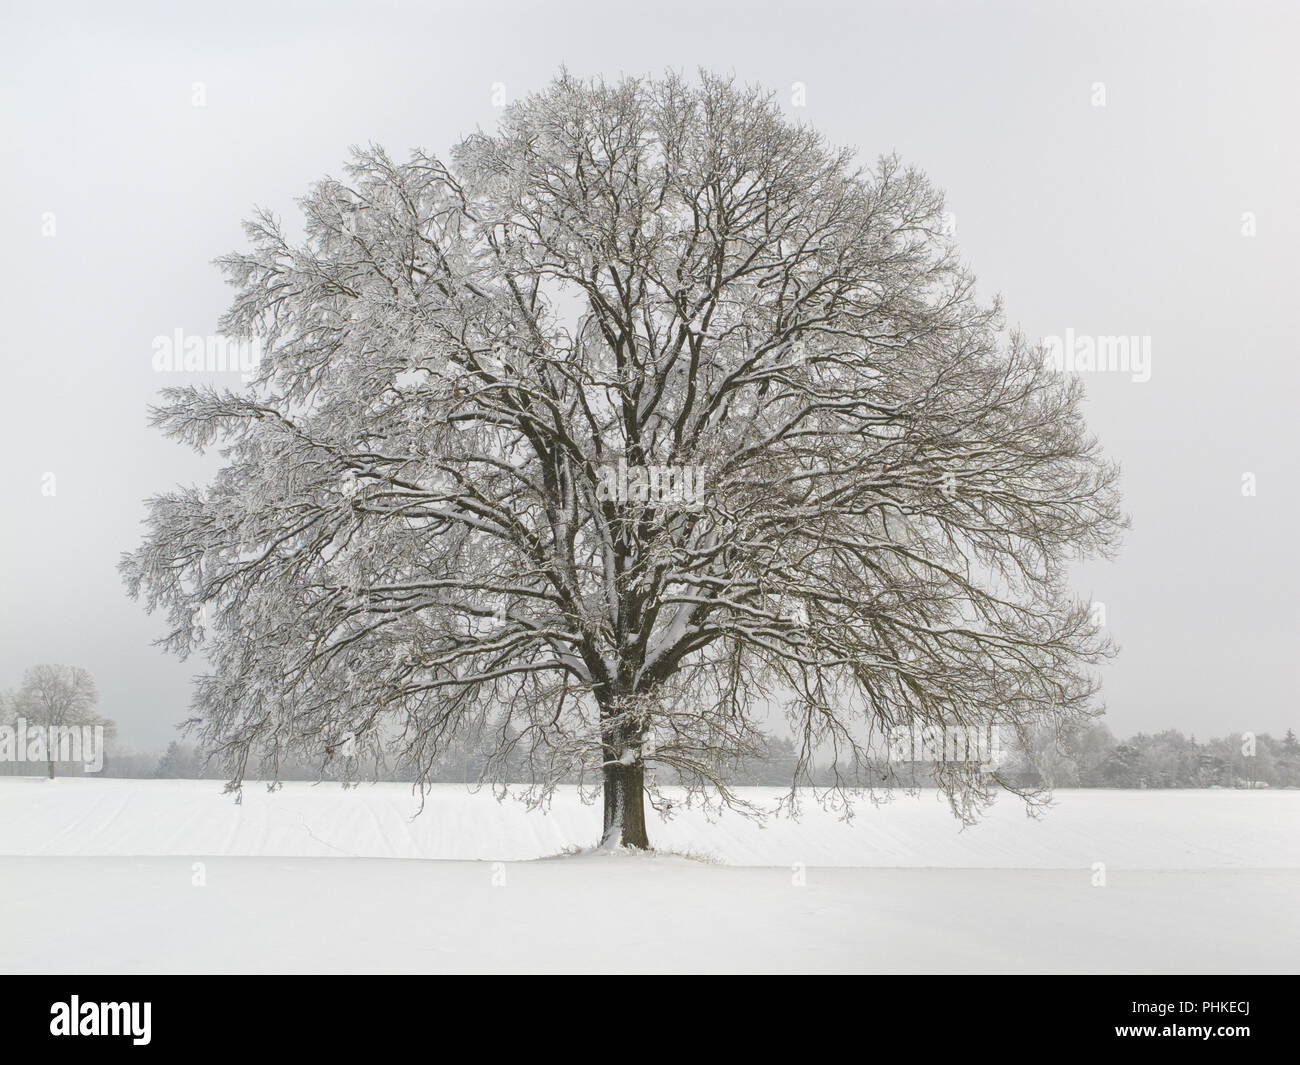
(100, 876)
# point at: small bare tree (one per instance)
(54, 697)
(647, 413)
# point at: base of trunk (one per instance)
(624, 788)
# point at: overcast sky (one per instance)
(117, 191)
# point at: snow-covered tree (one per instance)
(179, 761)
(638, 419)
(56, 697)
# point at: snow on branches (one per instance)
(417, 531)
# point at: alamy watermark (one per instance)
(1083, 353)
(213, 353)
(130, 1019)
(945, 743)
(680, 486)
(43, 744)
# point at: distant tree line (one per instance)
(1085, 758)
(1093, 758)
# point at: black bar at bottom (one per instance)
(341, 1014)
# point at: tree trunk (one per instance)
(624, 788)
(50, 757)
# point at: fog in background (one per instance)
(1118, 219)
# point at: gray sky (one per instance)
(1123, 219)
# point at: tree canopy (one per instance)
(637, 419)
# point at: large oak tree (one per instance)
(437, 512)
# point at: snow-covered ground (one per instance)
(103, 875)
